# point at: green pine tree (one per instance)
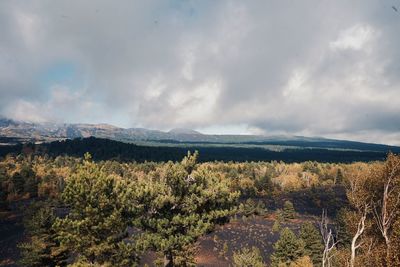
(279, 215)
(287, 249)
(343, 231)
(276, 227)
(248, 257)
(31, 186)
(181, 202)
(312, 241)
(30, 180)
(3, 189)
(288, 210)
(339, 177)
(42, 249)
(96, 227)
(18, 183)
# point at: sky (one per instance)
(312, 68)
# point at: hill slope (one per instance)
(13, 132)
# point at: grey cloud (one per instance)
(316, 68)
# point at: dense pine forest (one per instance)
(289, 151)
(84, 211)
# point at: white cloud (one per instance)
(355, 37)
(27, 111)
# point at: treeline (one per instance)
(27, 176)
(105, 149)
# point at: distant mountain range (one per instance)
(22, 131)
(13, 132)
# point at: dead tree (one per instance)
(328, 239)
(360, 230)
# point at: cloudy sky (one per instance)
(314, 68)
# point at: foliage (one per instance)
(225, 249)
(310, 185)
(105, 149)
(373, 192)
(96, 225)
(342, 226)
(18, 183)
(288, 210)
(180, 203)
(3, 200)
(304, 261)
(30, 180)
(276, 227)
(42, 249)
(248, 257)
(250, 207)
(313, 246)
(339, 177)
(288, 248)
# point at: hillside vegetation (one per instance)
(82, 212)
(105, 149)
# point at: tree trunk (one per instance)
(360, 231)
(353, 249)
(388, 249)
(168, 260)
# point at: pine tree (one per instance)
(181, 202)
(312, 242)
(288, 210)
(31, 186)
(339, 177)
(342, 225)
(279, 215)
(225, 249)
(96, 225)
(287, 249)
(3, 192)
(18, 183)
(276, 227)
(3, 199)
(247, 257)
(42, 249)
(30, 180)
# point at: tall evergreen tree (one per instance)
(42, 249)
(3, 199)
(339, 177)
(18, 183)
(343, 231)
(182, 202)
(312, 242)
(31, 186)
(287, 249)
(96, 227)
(3, 192)
(288, 210)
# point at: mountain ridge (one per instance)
(13, 131)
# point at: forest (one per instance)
(85, 211)
(289, 151)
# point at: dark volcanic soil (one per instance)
(253, 231)
(11, 233)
